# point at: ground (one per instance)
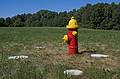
(47, 53)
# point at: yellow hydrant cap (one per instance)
(74, 33)
(72, 23)
(72, 17)
(65, 38)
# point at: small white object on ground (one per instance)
(18, 57)
(40, 47)
(99, 55)
(73, 72)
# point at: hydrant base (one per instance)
(73, 51)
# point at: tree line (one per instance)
(98, 16)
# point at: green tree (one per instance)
(8, 21)
(2, 22)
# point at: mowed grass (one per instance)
(48, 54)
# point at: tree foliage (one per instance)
(98, 16)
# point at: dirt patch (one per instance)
(57, 54)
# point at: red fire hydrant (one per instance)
(72, 37)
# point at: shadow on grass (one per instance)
(90, 52)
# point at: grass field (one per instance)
(50, 61)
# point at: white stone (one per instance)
(12, 57)
(18, 57)
(73, 72)
(40, 47)
(99, 55)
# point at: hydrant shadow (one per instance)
(88, 52)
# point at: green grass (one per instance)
(51, 61)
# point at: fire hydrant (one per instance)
(72, 37)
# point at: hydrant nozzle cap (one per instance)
(65, 38)
(72, 23)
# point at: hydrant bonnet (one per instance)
(72, 24)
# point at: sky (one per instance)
(9, 8)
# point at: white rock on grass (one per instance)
(73, 72)
(18, 57)
(99, 55)
(41, 47)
